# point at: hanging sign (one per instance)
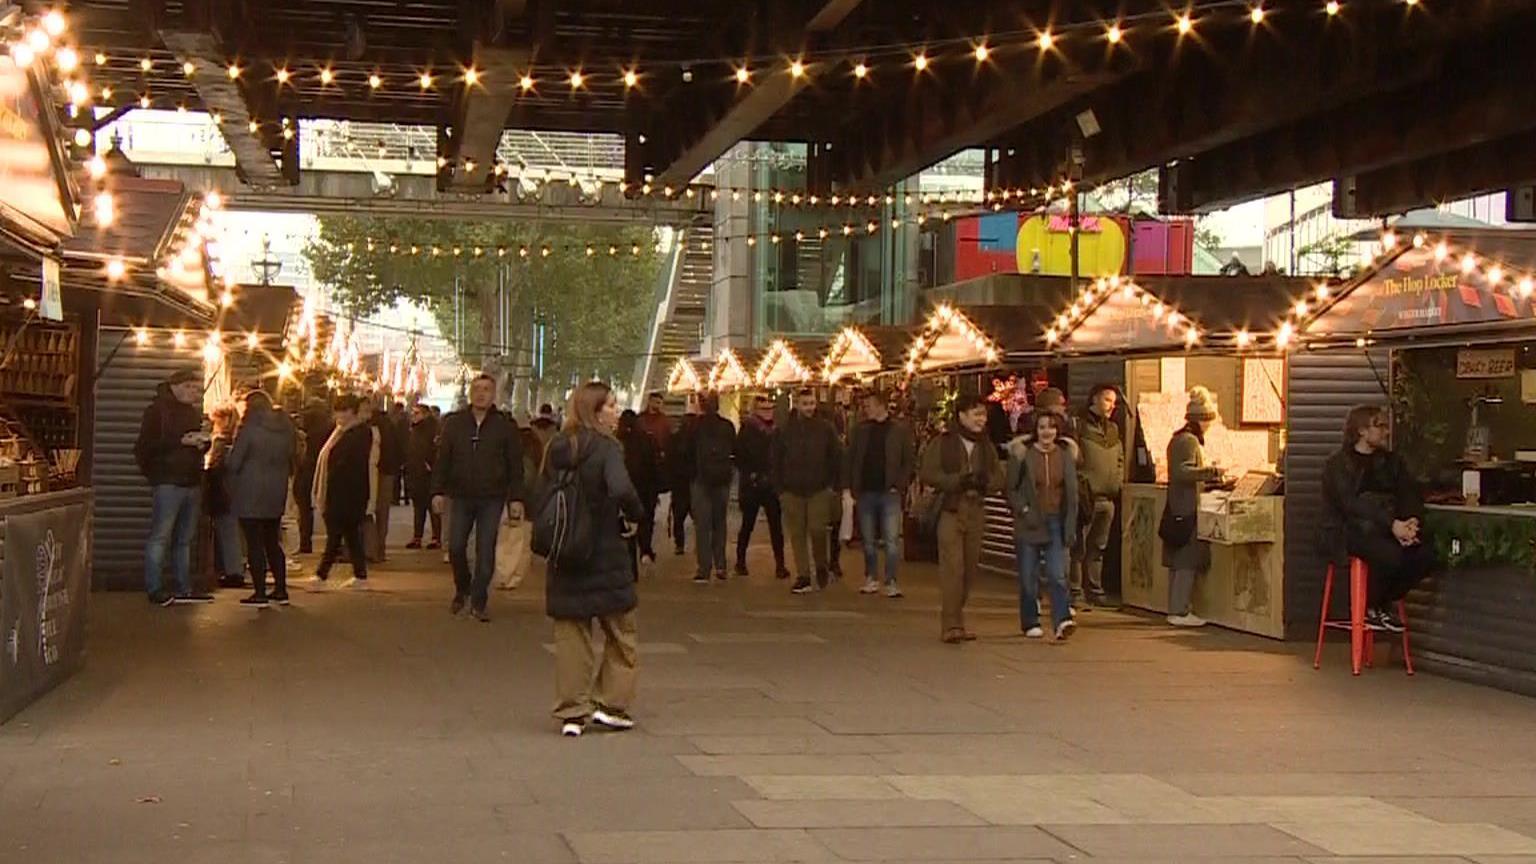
(52, 307)
(1485, 363)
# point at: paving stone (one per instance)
(749, 745)
(757, 638)
(1411, 838)
(1184, 841)
(1471, 809)
(744, 766)
(941, 844)
(822, 787)
(854, 814)
(688, 847)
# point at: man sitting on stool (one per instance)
(1375, 513)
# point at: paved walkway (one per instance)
(375, 728)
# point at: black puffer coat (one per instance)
(605, 584)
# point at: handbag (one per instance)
(1174, 530)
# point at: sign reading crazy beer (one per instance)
(1485, 363)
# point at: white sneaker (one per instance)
(295, 565)
(572, 728)
(615, 721)
(1034, 633)
(893, 591)
(356, 584)
(870, 587)
(1188, 620)
(315, 580)
(1065, 630)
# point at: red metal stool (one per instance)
(1362, 639)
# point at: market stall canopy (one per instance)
(687, 376)
(151, 247)
(950, 340)
(786, 363)
(1471, 281)
(730, 371)
(38, 201)
(1124, 315)
(863, 351)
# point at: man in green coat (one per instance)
(963, 466)
(1103, 454)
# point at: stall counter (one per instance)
(45, 580)
(1244, 589)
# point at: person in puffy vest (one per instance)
(600, 587)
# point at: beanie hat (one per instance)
(1051, 399)
(1202, 405)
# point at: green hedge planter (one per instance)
(1464, 541)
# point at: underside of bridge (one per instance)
(1393, 100)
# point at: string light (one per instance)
(425, 81)
(1114, 34)
(234, 71)
(471, 77)
(920, 62)
(861, 71)
(577, 80)
(631, 78)
(1333, 7)
(743, 74)
(982, 53)
(797, 69)
(526, 82)
(116, 269)
(1185, 24)
(189, 69)
(67, 59)
(1256, 14)
(327, 77)
(374, 81)
(1046, 40)
(146, 64)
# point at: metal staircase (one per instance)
(682, 302)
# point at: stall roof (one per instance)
(950, 340)
(732, 369)
(1127, 315)
(865, 350)
(151, 225)
(687, 376)
(1454, 283)
(787, 363)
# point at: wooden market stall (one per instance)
(45, 550)
(1442, 329)
(1228, 335)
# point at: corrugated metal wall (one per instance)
(1082, 375)
(1321, 388)
(122, 497)
(1477, 625)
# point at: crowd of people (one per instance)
(264, 476)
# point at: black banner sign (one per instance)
(44, 585)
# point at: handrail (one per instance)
(666, 298)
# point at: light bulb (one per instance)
(425, 81)
(631, 78)
(327, 76)
(96, 167)
(1332, 7)
(797, 69)
(188, 69)
(54, 23)
(1256, 15)
(861, 71)
(233, 71)
(1046, 40)
(525, 82)
(471, 76)
(146, 64)
(1185, 24)
(283, 75)
(577, 80)
(920, 62)
(67, 59)
(982, 53)
(116, 269)
(743, 75)
(375, 82)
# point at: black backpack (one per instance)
(562, 522)
(714, 450)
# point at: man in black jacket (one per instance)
(480, 466)
(1374, 512)
(317, 424)
(707, 447)
(391, 464)
(882, 462)
(420, 453)
(169, 451)
(754, 461)
(807, 471)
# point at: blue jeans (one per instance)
(483, 516)
(171, 527)
(880, 525)
(226, 537)
(1055, 554)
